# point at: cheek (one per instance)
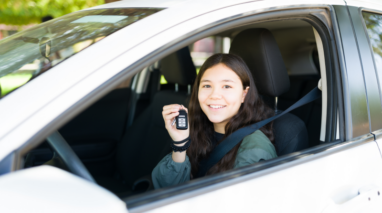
(234, 98)
(202, 95)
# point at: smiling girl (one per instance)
(224, 99)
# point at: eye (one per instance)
(226, 86)
(206, 86)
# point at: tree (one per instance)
(24, 12)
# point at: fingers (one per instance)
(170, 112)
(168, 118)
(185, 109)
(173, 108)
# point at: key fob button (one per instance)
(181, 120)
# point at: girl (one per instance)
(224, 99)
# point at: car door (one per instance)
(333, 177)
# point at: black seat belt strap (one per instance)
(232, 140)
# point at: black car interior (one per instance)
(120, 155)
(146, 142)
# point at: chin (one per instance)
(215, 119)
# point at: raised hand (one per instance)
(169, 113)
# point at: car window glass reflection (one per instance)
(374, 29)
(30, 53)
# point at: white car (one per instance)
(81, 99)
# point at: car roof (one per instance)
(143, 3)
(203, 3)
(172, 3)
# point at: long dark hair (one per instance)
(201, 128)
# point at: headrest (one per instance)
(178, 67)
(303, 62)
(259, 50)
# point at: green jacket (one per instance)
(255, 147)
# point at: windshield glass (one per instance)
(27, 54)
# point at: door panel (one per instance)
(317, 181)
(312, 184)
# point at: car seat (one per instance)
(258, 48)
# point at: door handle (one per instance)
(368, 199)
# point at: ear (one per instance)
(244, 94)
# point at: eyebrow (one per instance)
(226, 80)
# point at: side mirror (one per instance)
(45, 46)
(48, 189)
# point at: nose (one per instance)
(215, 94)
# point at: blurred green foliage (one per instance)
(374, 29)
(24, 12)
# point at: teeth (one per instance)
(216, 106)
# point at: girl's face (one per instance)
(220, 94)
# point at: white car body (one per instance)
(344, 177)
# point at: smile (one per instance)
(216, 106)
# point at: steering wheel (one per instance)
(67, 155)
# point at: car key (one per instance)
(182, 120)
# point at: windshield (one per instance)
(27, 54)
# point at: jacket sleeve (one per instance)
(254, 148)
(169, 173)
(252, 156)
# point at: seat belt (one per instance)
(232, 140)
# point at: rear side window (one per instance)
(29, 53)
(374, 29)
(204, 48)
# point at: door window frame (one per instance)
(328, 32)
(171, 194)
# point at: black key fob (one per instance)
(182, 120)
